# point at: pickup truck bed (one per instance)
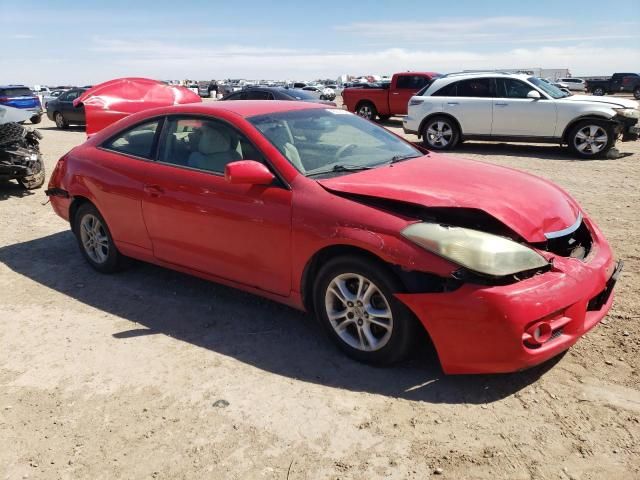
(388, 100)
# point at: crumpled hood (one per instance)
(529, 205)
(614, 102)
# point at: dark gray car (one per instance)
(276, 93)
(62, 111)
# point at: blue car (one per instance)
(19, 96)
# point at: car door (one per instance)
(471, 103)
(198, 220)
(406, 87)
(516, 115)
(118, 174)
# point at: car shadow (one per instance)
(524, 150)
(11, 190)
(253, 330)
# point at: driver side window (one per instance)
(204, 144)
(511, 88)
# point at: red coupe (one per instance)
(322, 210)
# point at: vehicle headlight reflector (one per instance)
(478, 251)
(628, 112)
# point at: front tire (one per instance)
(95, 240)
(636, 93)
(61, 123)
(591, 139)
(440, 133)
(354, 301)
(367, 110)
(599, 91)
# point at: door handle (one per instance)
(501, 104)
(153, 190)
(395, 93)
(453, 103)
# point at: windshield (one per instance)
(316, 141)
(552, 91)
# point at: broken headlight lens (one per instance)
(628, 112)
(478, 251)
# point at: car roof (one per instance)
(244, 108)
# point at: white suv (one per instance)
(520, 108)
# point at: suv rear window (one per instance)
(15, 92)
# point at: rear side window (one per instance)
(447, 91)
(15, 92)
(137, 141)
(414, 82)
(475, 87)
(237, 96)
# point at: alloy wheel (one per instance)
(591, 139)
(59, 120)
(94, 238)
(439, 134)
(359, 312)
(365, 112)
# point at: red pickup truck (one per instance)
(388, 100)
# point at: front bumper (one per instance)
(628, 127)
(482, 329)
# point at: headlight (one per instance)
(628, 112)
(478, 251)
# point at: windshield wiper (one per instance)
(399, 158)
(340, 167)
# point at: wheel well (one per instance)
(73, 208)
(574, 122)
(321, 257)
(363, 102)
(439, 114)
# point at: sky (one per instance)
(69, 42)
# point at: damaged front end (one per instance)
(20, 157)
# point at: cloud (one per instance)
(172, 61)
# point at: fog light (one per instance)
(539, 333)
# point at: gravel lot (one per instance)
(154, 374)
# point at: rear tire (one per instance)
(367, 110)
(636, 93)
(440, 133)
(354, 301)
(598, 91)
(95, 240)
(61, 123)
(36, 119)
(591, 139)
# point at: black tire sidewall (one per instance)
(455, 137)
(636, 93)
(610, 142)
(113, 262)
(405, 324)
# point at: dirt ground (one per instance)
(153, 374)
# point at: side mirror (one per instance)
(248, 172)
(534, 94)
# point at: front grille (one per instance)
(555, 334)
(576, 244)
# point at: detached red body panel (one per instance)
(110, 101)
(262, 238)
